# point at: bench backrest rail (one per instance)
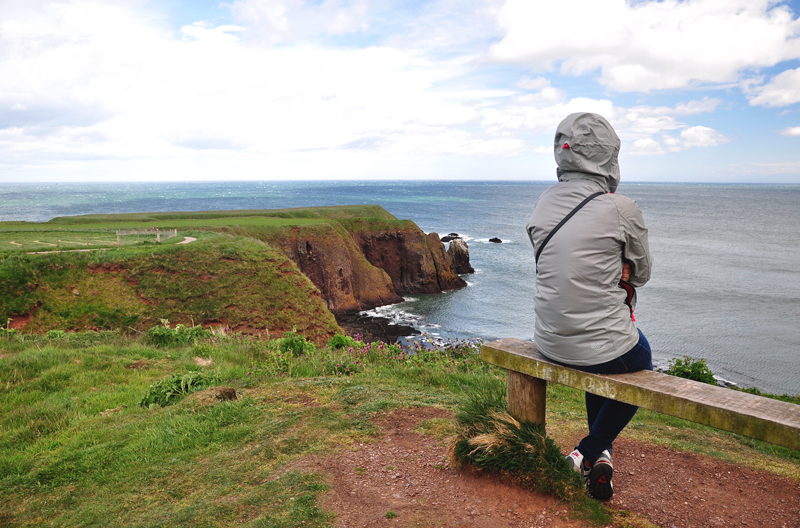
(746, 414)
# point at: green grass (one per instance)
(77, 449)
(333, 213)
(218, 280)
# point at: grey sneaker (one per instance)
(579, 464)
(575, 460)
(598, 482)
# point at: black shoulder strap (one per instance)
(564, 221)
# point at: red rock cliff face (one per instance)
(416, 263)
(445, 271)
(335, 265)
(365, 268)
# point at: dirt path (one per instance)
(186, 240)
(408, 474)
(685, 489)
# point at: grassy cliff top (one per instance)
(101, 272)
(219, 280)
(330, 213)
(99, 231)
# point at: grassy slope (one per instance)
(232, 280)
(77, 450)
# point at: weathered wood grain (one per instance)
(527, 397)
(746, 414)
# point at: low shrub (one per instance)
(175, 387)
(690, 368)
(164, 335)
(55, 334)
(296, 344)
(341, 341)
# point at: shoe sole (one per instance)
(600, 482)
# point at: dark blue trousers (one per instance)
(607, 418)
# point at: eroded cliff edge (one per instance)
(359, 264)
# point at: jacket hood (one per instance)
(586, 144)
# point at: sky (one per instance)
(128, 90)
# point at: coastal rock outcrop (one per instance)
(458, 252)
(415, 262)
(334, 263)
(360, 264)
(447, 276)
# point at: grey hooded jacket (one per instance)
(581, 315)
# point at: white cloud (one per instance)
(781, 90)
(634, 123)
(644, 147)
(707, 104)
(287, 20)
(89, 85)
(538, 83)
(89, 80)
(644, 130)
(641, 46)
(696, 136)
(545, 93)
(792, 131)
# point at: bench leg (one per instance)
(526, 397)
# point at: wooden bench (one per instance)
(746, 414)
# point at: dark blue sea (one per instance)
(725, 284)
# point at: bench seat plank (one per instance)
(746, 414)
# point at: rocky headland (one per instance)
(361, 264)
(271, 271)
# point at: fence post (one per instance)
(58, 241)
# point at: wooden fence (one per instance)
(160, 235)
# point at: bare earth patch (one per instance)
(408, 474)
(672, 488)
(18, 322)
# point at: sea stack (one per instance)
(458, 252)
